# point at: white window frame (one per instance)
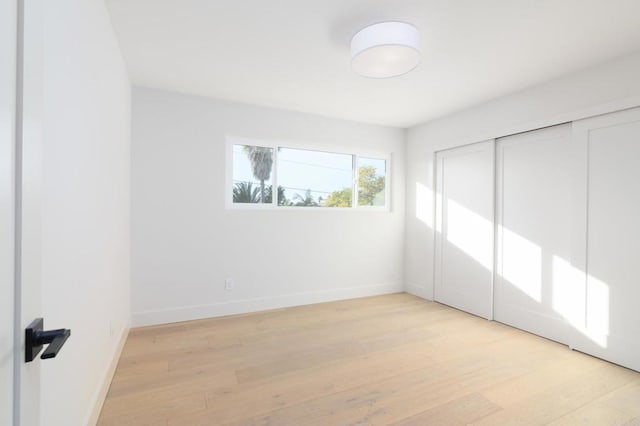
(238, 140)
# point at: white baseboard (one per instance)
(419, 291)
(100, 397)
(188, 313)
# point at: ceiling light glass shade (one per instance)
(387, 49)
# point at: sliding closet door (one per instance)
(608, 209)
(533, 235)
(464, 237)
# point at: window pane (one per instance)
(252, 171)
(314, 178)
(372, 173)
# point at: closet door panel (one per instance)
(464, 237)
(533, 236)
(611, 287)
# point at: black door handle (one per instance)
(36, 337)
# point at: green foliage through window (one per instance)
(371, 182)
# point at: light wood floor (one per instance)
(393, 359)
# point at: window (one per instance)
(304, 177)
(314, 178)
(252, 171)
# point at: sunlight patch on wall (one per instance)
(470, 232)
(522, 264)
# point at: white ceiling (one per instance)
(294, 54)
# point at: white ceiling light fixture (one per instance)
(384, 50)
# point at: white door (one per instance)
(533, 235)
(8, 44)
(607, 258)
(464, 228)
(27, 170)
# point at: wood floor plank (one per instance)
(619, 407)
(393, 359)
(563, 397)
(461, 411)
(287, 390)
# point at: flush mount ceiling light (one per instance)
(387, 49)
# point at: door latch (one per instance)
(36, 337)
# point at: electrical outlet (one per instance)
(228, 284)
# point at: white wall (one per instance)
(185, 243)
(606, 88)
(85, 229)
